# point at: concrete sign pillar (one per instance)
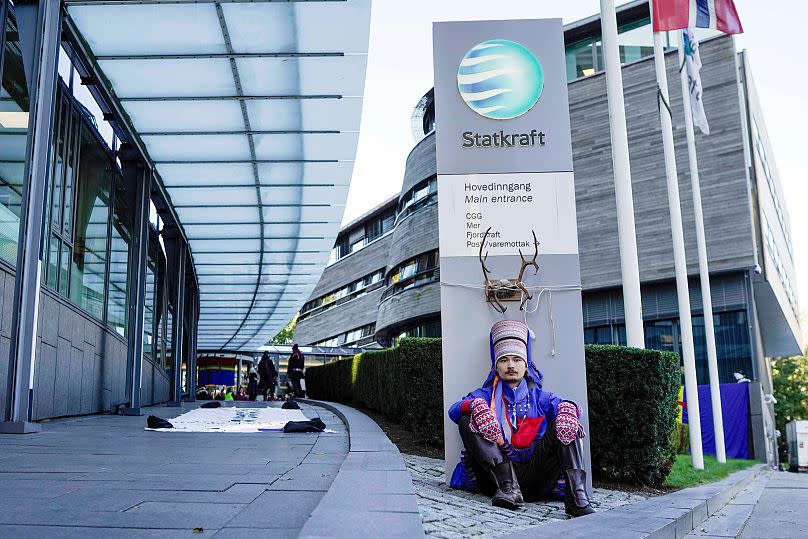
(504, 156)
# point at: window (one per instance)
(635, 40)
(120, 238)
(148, 314)
(423, 194)
(14, 108)
(422, 269)
(763, 161)
(581, 60)
(424, 329)
(92, 220)
(348, 292)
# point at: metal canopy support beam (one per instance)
(137, 178)
(176, 274)
(193, 326)
(38, 25)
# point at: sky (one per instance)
(399, 72)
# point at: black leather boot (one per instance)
(508, 494)
(576, 502)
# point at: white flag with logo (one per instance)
(693, 63)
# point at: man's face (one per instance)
(511, 369)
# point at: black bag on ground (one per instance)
(312, 425)
(212, 404)
(155, 422)
(290, 405)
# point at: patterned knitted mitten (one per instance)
(484, 422)
(567, 422)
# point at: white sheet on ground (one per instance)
(232, 419)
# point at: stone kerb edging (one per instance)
(372, 494)
(670, 516)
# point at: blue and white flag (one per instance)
(693, 63)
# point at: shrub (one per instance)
(404, 383)
(632, 412)
(632, 400)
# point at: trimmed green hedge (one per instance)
(632, 400)
(632, 411)
(404, 383)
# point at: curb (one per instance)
(372, 494)
(671, 516)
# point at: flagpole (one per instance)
(626, 232)
(704, 274)
(680, 266)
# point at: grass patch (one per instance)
(683, 474)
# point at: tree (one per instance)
(285, 335)
(790, 385)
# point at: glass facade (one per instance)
(635, 41)
(14, 109)
(733, 348)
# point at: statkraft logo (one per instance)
(500, 79)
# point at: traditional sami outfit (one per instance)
(537, 446)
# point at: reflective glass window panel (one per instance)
(96, 115)
(121, 233)
(71, 157)
(61, 134)
(635, 41)
(92, 219)
(148, 314)
(65, 66)
(53, 261)
(580, 60)
(64, 269)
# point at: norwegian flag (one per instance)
(677, 14)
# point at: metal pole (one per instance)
(704, 273)
(177, 348)
(680, 267)
(137, 179)
(626, 232)
(38, 25)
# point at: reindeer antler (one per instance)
(489, 285)
(525, 263)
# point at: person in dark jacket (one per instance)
(268, 374)
(294, 370)
(520, 440)
(252, 385)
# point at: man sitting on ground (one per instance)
(519, 439)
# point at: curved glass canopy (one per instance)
(250, 113)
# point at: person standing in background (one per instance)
(294, 370)
(252, 385)
(268, 374)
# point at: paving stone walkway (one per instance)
(774, 505)
(105, 476)
(451, 514)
